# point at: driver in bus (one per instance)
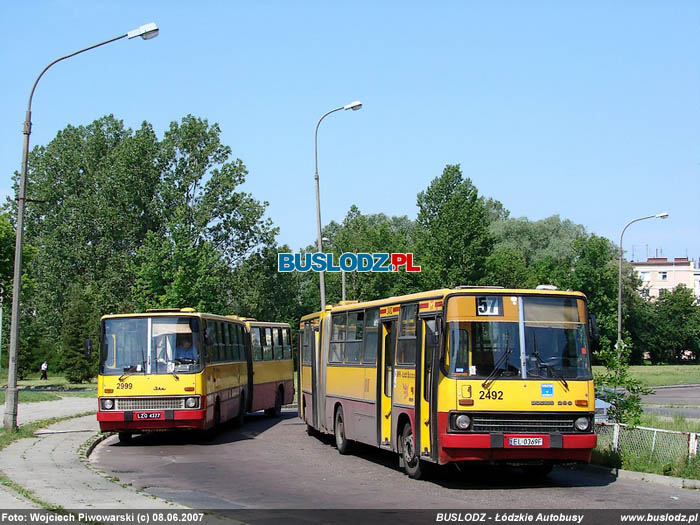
(184, 349)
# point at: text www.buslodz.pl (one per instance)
(347, 262)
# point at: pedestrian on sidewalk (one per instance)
(44, 369)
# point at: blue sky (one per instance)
(589, 110)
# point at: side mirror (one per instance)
(593, 328)
(88, 347)
(208, 337)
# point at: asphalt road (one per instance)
(684, 401)
(272, 463)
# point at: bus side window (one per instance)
(256, 343)
(267, 344)
(407, 335)
(233, 336)
(228, 352)
(286, 343)
(279, 348)
(338, 338)
(371, 336)
(431, 343)
(306, 348)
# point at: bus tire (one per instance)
(277, 409)
(414, 467)
(341, 441)
(125, 437)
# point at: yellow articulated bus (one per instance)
(178, 368)
(454, 375)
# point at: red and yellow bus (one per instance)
(178, 368)
(454, 375)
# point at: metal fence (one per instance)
(667, 446)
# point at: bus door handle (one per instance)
(388, 414)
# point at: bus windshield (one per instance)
(150, 345)
(555, 343)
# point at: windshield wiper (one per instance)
(497, 367)
(129, 369)
(552, 371)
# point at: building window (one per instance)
(663, 276)
(644, 276)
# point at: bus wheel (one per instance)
(412, 464)
(125, 437)
(341, 442)
(277, 409)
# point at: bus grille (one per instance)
(149, 403)
(523, 423)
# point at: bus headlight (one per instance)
(462, 422)
(582, 424)
(107, 404)
(191, 402)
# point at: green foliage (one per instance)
(370, 234)
(136, 221)
(79, 324)
(262, 292)
(507, 267)
(548, 240)
(594, 273)
(618, 387)
(453, 239)
(674, 326)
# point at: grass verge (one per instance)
(659, 375)
(686, 468)
(677, 422)
(26, 396)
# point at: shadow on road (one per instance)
(254, 425)
(480, 476)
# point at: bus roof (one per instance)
(440, 293)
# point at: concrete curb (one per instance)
(664, 387)
(668, 481)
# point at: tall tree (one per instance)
(453, 231)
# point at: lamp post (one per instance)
(319, 245)
(146, 31)
(662, 215)
(342, 272)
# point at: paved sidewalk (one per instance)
(67, 406)
(49, 466)
(27, 413)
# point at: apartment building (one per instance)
(660, 273)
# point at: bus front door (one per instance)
(387, 380)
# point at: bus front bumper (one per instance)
(151, 420)
(505, 446)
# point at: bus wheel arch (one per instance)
(342, 443)
(409, 453)
(276, 410)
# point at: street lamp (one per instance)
(146, 31)
(662, 215)
(319, 245)
(342, 272)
